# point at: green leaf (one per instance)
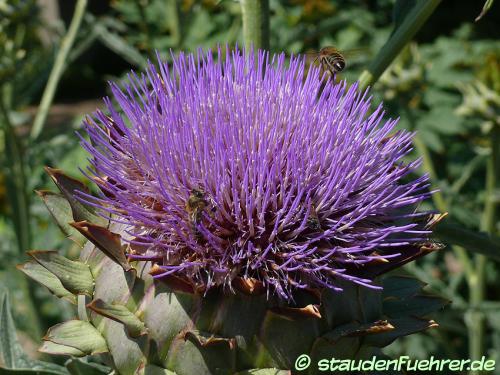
(68, 187)
(477, 242)
(60, 209)
(121, 314)
(13, 360)
(58, 349)
(11, 352)
(78, 334)
(43, 276)
(74, 275)
(79, 367)
(442, 120)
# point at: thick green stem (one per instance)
(58, 69)
(398, 40)
(255, 14)
(476, 317)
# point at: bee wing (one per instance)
(353, 52)
(311, 57)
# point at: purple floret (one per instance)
(222, 168)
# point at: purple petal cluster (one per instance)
(221, 167)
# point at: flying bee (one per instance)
(332, 59)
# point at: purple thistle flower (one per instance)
(222, 168)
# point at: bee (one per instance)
(195, 205)
(313, 222)
(333, 60)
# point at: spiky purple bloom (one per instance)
(222, 168)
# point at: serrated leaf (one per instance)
(77, 334)
(50, 347)
(60, 210)
(121, 314)
(68, 187)
(74, 275)
(43, 276)
(79, 367)
(108, 242)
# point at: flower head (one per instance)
(223, 168)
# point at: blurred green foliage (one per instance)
(445, 86)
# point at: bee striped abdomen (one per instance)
(334, 63)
